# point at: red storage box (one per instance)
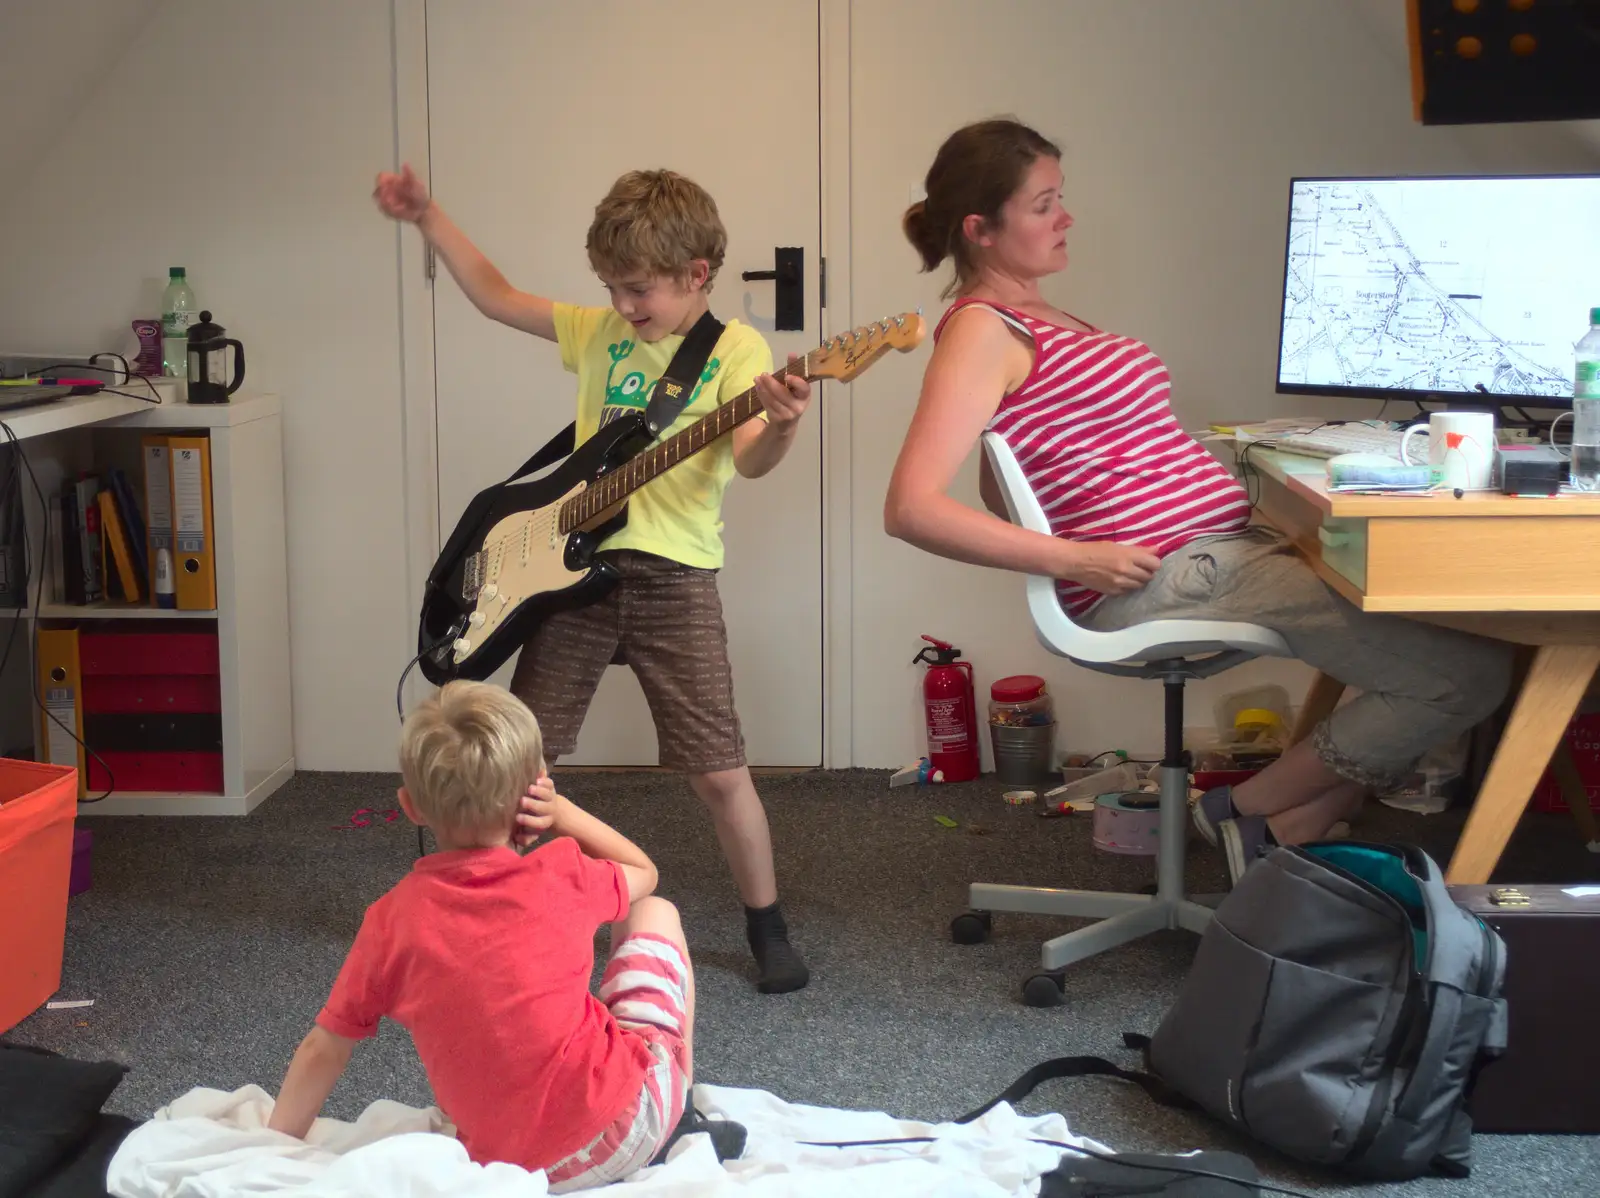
(139, 693)
(166, 683)
(1583, 738)
(147, 652)
(37, 806)
(186, 773)
(1211, 779)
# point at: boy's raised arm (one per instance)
(543, 810)
(404, 197)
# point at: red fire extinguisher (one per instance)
(950, 711)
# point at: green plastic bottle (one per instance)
(178, 312)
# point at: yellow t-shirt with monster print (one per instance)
(678, 514)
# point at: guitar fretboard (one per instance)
(619, 484)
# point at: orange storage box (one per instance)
(37, 806)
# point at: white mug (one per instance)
(1460, 449)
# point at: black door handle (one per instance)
(789, 273)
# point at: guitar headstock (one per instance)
(847, 355)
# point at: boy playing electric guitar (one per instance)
(657, 243)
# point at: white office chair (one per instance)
(1171, 650)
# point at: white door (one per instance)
(533, 111)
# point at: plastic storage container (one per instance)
(1021, 701)
(37, 806)
(1022, 729)
(1252, 703)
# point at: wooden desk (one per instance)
(1525, 570)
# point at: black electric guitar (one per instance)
(526, 550)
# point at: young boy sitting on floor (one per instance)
(484, 955)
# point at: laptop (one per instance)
(21, 366)
(27, 397)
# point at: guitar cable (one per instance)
(400, 709)
(1110, 1158)
(400, 687)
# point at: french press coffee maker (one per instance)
(208, 362)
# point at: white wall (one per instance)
(240, 140)
(54, 54)
(1180, 126)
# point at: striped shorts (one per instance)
(664, 621)
(645, 987)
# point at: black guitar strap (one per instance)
(667, 401)
(677, 382)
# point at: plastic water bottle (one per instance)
(1586, 408)
(178, 311)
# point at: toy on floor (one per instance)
(919, 773)
(365, 818)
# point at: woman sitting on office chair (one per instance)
(1148, 525)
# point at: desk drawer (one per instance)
(1344, 549)
(1542, 563)
(1467, 564)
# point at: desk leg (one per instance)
(1555, 686)
(1320, 701)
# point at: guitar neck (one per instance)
(658, 459)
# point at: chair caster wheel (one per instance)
(971, 927)
(1045, 990)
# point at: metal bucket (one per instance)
(1023, 754)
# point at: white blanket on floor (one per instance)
(209, 1144)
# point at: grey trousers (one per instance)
(1421, 685)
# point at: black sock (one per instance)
(781, 966)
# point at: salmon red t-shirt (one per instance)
(485, 957)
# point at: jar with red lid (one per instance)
(1022, 729)
(1021, 701)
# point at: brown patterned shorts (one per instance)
(664, 621)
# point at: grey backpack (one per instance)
(1338, 1009)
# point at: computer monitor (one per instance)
(1439, 288)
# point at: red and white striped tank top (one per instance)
(1095, 435)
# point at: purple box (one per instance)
(80, 878)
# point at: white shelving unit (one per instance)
(250, 554)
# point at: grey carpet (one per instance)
(209, 944)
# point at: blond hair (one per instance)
(657, 222)
(467, 755)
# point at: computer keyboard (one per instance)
(1331, 440)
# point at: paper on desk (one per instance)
(1381, 489)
